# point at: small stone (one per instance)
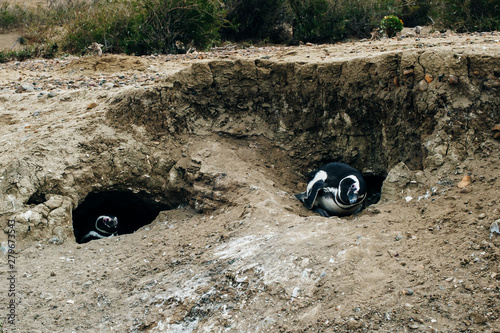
(453, 80)
(478, 318)
(494, 228)
(496, 127)
(396, 81)
(52, 274)
(466, 181)
(429, 78)
(408, 292)
(309, 44)
(422, 85)
(398, 237)
(414, 326)
(481, 216)
(70, 301)
(108, 85)
(91, 106)
(52, 94)
(408, 71)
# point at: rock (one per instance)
(453, 80)
(481, 216)
(408, 71)
(466, 181)
(429, 78)
(56, 240)
(91, 106)
(422, 85)
(496, 131)
(54, 201)
(27, 87)
(408, 292)
(494, 228)
(478, 318)
(52, 94)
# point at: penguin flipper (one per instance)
(313, 193)
(301, 196)
(321, 212)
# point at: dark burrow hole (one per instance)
(132, 210)
(37, 198)
(374, 189)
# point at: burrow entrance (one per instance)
(374, 188)
(132, 210)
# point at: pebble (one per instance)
(408, 292)
(408, 71)
(466, 181)
(52, 94)
(422, 85)
(429, 78)
(91, 106)
(494, 228)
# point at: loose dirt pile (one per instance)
(225, 139)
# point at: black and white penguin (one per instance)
(334, 189)
(105, 226)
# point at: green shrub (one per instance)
(416, 12)
(257, 19)
(391, 25)
(469, 15)
(43, 50)
(150, 26)
(12, 16)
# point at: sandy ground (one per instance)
(262, 263)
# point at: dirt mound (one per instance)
(220, 148)
(106, 64)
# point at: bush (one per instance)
(416, 12)
(391, 25)
(469, 15)
(150, 26)
(12, 16)
(257, 19)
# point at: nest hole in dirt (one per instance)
(133, 210)
(374, 188)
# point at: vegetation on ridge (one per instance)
(175, 26)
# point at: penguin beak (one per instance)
(352, 195)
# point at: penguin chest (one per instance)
(327, 200)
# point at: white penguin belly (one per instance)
(328, 203)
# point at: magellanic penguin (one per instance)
(105, 226)
(334, 189)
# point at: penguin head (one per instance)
(349, 190)
(106, 224)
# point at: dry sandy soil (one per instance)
(243, 255)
